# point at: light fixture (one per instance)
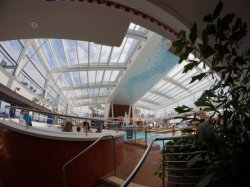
(33, 24)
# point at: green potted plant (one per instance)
(219, 47)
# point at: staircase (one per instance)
(113, 181)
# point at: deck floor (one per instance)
(145, 176)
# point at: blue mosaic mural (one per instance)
(154, 67)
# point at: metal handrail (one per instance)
(53, 113)
(145, 155)
(84, 151)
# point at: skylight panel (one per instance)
(105, 53)
(70, 51)
(83, 77)
(99, 75)
(91, 75)
(117, 51)
(127, 49)
(82, 48)
(36, 76)
(96, 91)
(76, 78)
(84, 92)
(58, 49)
(107, 75)
(90, 91)
(114, 75)
(94, 52)
(79, 93)
(39, 65)
(159, 84)
(45, 50)
(103, 91)
(13, 47)
(68, 79)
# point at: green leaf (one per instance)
(198, 77)
(182, 109)
(208, 18)
(218, 69)
(189, 66)
(211, 29)
(217, 10)
(184, 55)
(193, 161)
(193, 34)
(208, 51)
(178, 45)
(205, 181)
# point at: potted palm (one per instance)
(228, 141)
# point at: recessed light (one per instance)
(34, 24)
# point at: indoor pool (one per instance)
(151, 136)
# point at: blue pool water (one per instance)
(151, 136)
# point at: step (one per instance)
(113, 181)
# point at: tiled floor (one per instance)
(145, 176)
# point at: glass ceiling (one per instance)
(174, 89)
(68, 73)
(80, 73)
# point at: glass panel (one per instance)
(103, 91)
(107, 76)
(68, 79)
(34, 74)
(76, 78)
(83, 76)
(45, 49)
(59, 79)
(116, 52)
(127, 50)
(58, 50)
(84, 92)
(13, 47)
(105, 52)
(92, 75)
(114, 75)
(82, 52)
(94, 52)
(37, 61)
(70, 51)
(99, 75)
(96, 91)
(90, 91)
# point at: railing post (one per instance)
(135, 134)
(163, 165)
(146, 141)
(4, 113)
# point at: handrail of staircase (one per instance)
(145, 155)
(86, 150)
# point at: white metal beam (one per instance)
(95, 67)
(87, 97)
(85, 86)
(136, 35)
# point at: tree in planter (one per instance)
(220, 49)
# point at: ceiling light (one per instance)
(34, 24)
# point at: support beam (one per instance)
(136, 35)
(87, 97)
(86, 86)
(92, 67)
